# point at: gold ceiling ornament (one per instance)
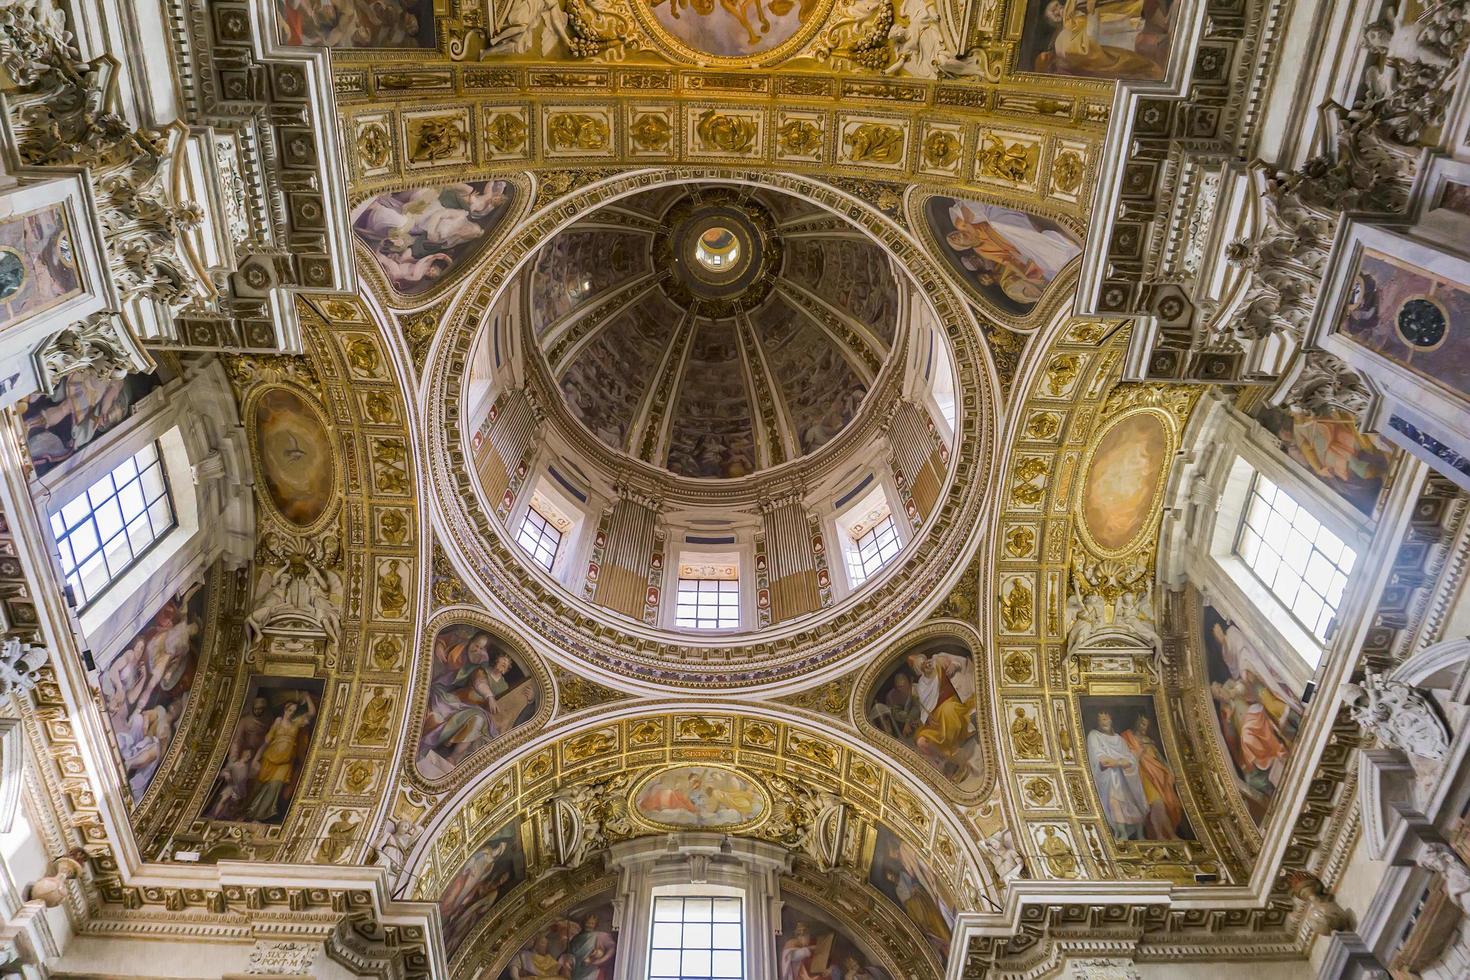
(1015, 161)
(373, 145)
(436, 139)
(651, 131)
(577, 131)
(576, 693)
(1067, 170)
(942, 149)
(799, 137)
(872, 142)
(1017, 606)
(726, 132)
(505, 132)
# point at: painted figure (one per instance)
(928, 703)
(476, 694)
(1119, 785)
(146, 687)
(267, 752)
(418, 235)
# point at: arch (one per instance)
(829, 766)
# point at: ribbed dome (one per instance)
(711, 330)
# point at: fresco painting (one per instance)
(700, 796)
(1351, 463)
(1136, 784)
(733, 28)
(713, 435)
(478, 691)
(357, 23)
(1124, 479)
(1411, 317)
(145, 689)
(1257, 713)
(926, 700)
(604, 383)
(1119, 39)
(419, 236)
(810, 946)
(1006, 257)
(578, 265)
(83, 408)
(901, 873)
(853, 276)
(38, 265)
(295, 453)
(496, 866)
(821, 389)
(579, 943)
(268, 751)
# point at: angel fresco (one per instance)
(357, 23)
(1123, 39)
(1007, 256)
(146, 687)
(419, 235)
(477, 692)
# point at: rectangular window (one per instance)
(696, 939)
(539, 537)
(871, 550)
(106, 528)
(708, 604)
(1294, 555)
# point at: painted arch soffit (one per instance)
(573, 792)
(1055, 557)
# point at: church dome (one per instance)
(713, 331)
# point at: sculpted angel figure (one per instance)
(1084, 614)
(1400, 715)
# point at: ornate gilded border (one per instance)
(638, 817)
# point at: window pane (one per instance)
(684, 944)
(1303, 563)
(90, 528)
(707, 604)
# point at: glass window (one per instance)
(104, 529)
(871, 550)
(1294, 555)
(539, 537)
(708, 603)
(696, 938)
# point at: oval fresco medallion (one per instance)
(479, 690)
(703, 797)
(1123, 481)
(736, 30)
(294, 452)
